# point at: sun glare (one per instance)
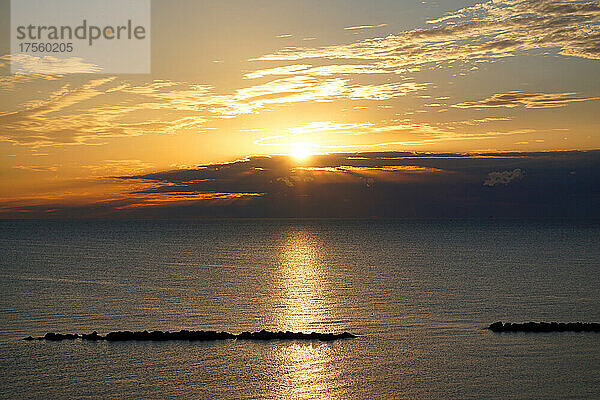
(300, 151)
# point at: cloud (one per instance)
(101, 108)
(90, 113)
(110, 107)
(171, 199)
(367, 184)
(385, 91)
(335, 136)
(301, 88)
(502, 177)
(258, 173)
(478, 121)
(498, 28)
(286, 70)
(528, 100)
(37, 168)
(276, 175)
(325, 70)
(13, 81)
(327, 136)
(68, 205)
(276, 92)
(116, 167)
(353, 28)
(49, 65)
(446, 18)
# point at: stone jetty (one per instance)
(191, 336)
(545, 327)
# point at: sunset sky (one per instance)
(318, 108)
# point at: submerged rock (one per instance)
(545, 327)
(160, 336)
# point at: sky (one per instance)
(391, 108)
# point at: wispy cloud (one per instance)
(99, 109)
(445, 18)
(49, 65)
(286, 70)
(37, 168)
(528, 100)
(110, 107)
(117, 167)
(103, 108)
(327, 136)
(385, 91)
(13, 81)
(302, 88)
(328, 70)
(353, 28)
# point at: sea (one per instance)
(418, 294)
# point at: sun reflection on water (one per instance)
(305, 370)
(300, 283)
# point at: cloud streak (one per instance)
(327, 136)
(49, 65)
(353, 28)
(528, 100)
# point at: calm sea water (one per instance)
(417, 293)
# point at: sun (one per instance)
(300, 151)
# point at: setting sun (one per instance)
(300, 151)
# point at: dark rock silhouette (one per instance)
(545, 327)
(59, 336)
(92, 336)
(160, 336)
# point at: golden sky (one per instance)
(234, 79)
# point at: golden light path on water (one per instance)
(300, 282)
(305, 370)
